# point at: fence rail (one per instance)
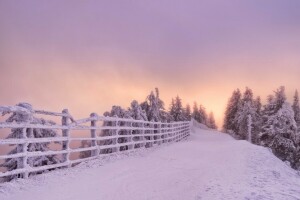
(108, 135)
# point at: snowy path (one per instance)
(209, 165)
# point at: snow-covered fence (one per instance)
(107, 135)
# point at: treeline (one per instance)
(153, 109)
(275, 125)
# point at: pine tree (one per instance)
(137, 113)
(119, 112)
(172, 109)
(12, 163)
(195, 114)
(230, 124)
(257, 105)
(211, 121)
(176, 110)
(166, 117)
(296, 108)
(154, 107)
(245, 115)
(187, 113)
(279, 127)
(257, 122)
(202, 115)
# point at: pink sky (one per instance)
(90, 55)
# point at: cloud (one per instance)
(93, 54)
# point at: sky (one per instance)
(89, 55)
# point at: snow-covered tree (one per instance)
(176, 110)
(195, 113)
(256, 120)
(187, 113)
(172, 109)
(230, 113)
(154, 106)
(136, 111)
(202, 115)
(296, 108)
(245, 115)
(116, 111)
(12, 163)
(258, 105)
(211, 123)
(279, 127)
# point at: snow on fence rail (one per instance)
(107, 135)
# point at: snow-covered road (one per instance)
(209, 165)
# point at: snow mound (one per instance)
(209, 165)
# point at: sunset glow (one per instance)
(90, 55)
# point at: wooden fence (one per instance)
(108, 135)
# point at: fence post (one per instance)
(142, 138)
(181, 131)
(93, 134)
(116, 133)
(152, 134)
(249, 124)
(24, 147)
(169, 132)
(131, 146)
(25, 150)
(65, 133)
(175, 132)
(159, 137)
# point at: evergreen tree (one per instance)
(172, 109)
(230, 113)
(136, 112)
(12, 163)
(202, 115)
(195, 114)
(257, 122)
(176, 110)
(296, 108)
(119, 112)
(245, 115)
(279, 127)
(165, 116)
(187, 113)
(257, 105)
(154, 107)
(211, 121)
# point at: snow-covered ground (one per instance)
(209, 165)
